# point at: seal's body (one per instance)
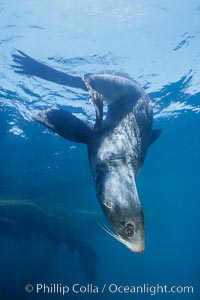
(117, 146)
(117, 153)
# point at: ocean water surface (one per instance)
(49, 215)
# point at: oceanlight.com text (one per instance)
(151, 289)
(112, 288)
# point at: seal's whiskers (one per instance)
(111, 233)
(115, 236)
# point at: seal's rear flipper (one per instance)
(155, 135)
(65, 124)
(112, 88)
(29, 66)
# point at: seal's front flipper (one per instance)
(65, 124)
(29, 66)
(155, 135)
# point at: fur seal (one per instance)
(117, 146)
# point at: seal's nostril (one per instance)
(141, 251)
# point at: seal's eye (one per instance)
(129, 230)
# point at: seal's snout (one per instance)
(140, 251)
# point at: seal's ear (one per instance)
(155, 135)
(65, 124)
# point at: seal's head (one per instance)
(120, 204)
(128, 225)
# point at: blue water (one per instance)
(48, 208)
